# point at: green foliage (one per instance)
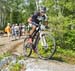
(69, 39)
(16, 67)
(62, 21)
(15, 11)
(5, 55)
(66, 52)
(65, 55)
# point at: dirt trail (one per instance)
(8, 45)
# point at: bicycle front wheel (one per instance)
(46, 46)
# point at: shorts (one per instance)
(35, 24)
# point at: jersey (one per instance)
(37, 18)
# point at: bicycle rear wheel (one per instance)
(27, 47)
(46, 46)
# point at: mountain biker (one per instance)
(35, 19)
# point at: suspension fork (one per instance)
(43, 40)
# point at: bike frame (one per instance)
(38, 36)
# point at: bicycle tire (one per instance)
(43, 52)
(27, 48)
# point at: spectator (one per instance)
(13, 30)
(16, 29)
(20, 29)
(23, 29)
(8, 30)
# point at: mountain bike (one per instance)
(43, 43)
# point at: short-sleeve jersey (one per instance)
(37, 18)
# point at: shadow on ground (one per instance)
(2, 44)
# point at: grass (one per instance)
(65, 55)
(5, 55)
(16, 67)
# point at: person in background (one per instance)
(23, 29)
(16, 29)
(20, 30)
(13, 30)
(8, 30)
